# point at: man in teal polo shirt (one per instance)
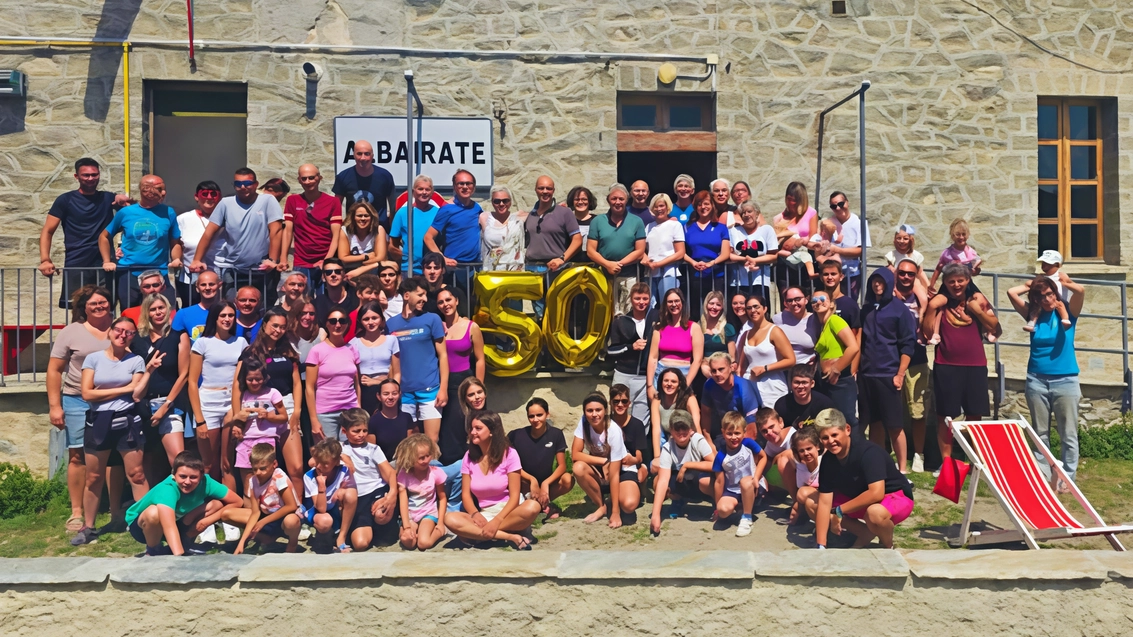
(616, 242)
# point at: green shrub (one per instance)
(22, 493)
(1106, 443)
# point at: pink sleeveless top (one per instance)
(460, 352)
(675, 344)
(800, 226)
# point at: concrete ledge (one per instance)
(1117, 565)
(999, 565)
(285, 568)
(473, 564)
(870, 563)
(218, 568)
(638, 565)
(55, 570)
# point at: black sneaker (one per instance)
(86, 535)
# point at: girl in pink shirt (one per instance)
(420, 492)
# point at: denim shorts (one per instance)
(75, 420)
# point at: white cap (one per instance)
(907, 229)
(1052, 257)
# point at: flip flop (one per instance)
(74, 524)
(343, 548)
(523, 544)
(553, 512)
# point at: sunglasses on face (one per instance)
(208, 194)
(840, 204)
(619, 401)
(500, 202)
(334, 272)
(245, 183)
(306, 314)
(338, 321)
(818, 299)
(902, 273)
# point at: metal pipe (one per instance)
(363, 49)
(1127, 376)
(192, 53)
(861, 161)
(409, 159)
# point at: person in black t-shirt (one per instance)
(860, 488)
(83, 214)
(336, 291)
(365, 182)
(639, 447)
(389, 425)
(799, 407)
(542, 455)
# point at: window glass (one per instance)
(1083, 122)
(684, 117)
(639, 116)
(1084, 241)
(1048, 121)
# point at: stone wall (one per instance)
(474, 593)
(952, 111)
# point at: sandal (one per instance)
(343, 548)
(74, 524)
(523, 544)
(553, 512)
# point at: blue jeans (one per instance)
(453, 480)
(541, 304)
(661, 285)
(1058, 395)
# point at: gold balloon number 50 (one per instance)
(495, 315)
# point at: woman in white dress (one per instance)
(766, 353)
(501, 234)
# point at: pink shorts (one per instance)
(244, 450)
(897, 504)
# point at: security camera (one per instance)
(312, 71)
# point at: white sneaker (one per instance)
(744, 529)
(231, 533)
(304, 533)
(208, 536)
(918, 463)
(936, 474)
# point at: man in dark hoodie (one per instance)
(888, 339)
(628, 346)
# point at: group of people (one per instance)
(301, 361)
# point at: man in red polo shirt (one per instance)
(312, 222)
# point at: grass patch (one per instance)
(42, 535)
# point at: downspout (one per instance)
(36, 42)
(192, 51)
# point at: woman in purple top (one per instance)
(707, 247)
(959, 375)
(490, 488)
(465, 346)
(332, 378)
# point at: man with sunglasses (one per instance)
(312, 220)
(424, 212)
(917, 375)
(151, 239)
(389, 278)
(193, 225)
(552, 235)
(253, 225)
(83, 213)
(336, 291)
(850, 247)
(455, 232)
(365, 182)
(151, 282)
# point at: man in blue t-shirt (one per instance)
(365, 182)
(725, 392)
(150, 240)
(83, 215)
(424, 212)
(455, 232)
(190, 321)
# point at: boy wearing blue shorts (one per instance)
(329, 495)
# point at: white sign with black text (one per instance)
(446, 144)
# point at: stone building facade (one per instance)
(952, 115)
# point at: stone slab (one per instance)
(476, 564)
(1006, 565)
(635, 565)
(308, 567)
(53, 570)
(217, 568)
(1118, 564)
(870, 563)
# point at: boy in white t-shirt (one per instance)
(269, 502)
(739, 467)
(684, 469)
(373, 477)
(769, 425)
(329, 495)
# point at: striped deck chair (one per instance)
(1000, 455)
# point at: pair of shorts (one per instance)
(687, 489)
(174, 420)
(916, 384)
(899, 506)
(960, 390)
(244, 450)
(75, 420)
(363, 515)
(215, 404)
(308, 516)
(491, 512)
(273, 529)
(131, 437)
(880, 401)
(421, 405)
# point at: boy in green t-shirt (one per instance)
(187, 502)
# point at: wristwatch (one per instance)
(838, 511)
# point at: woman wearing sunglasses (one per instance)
(501, 234)
(192, 225)
(835, 350)
(333, 384)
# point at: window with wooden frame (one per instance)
(1071, 201)
(666, 112)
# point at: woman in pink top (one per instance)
(333, 384)
(491, 473)
(677, 341)
(800, 217)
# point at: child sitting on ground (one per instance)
(269, 502)
(1050, 262)
(373, 478)
(420, 493)
(777, 439)
(329, 495)
(180, 507)
(684, 469)
(828, 235)
(793, 248)
(739, 467)
(262, 417)
(807, 447)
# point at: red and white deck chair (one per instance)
(1000, 455)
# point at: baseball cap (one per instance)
(1052, 257)
(907, 229)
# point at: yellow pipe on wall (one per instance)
(125, 88)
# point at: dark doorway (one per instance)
(193, 132)
(659, 169)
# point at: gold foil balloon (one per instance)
(493, 290)
(577, 280)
